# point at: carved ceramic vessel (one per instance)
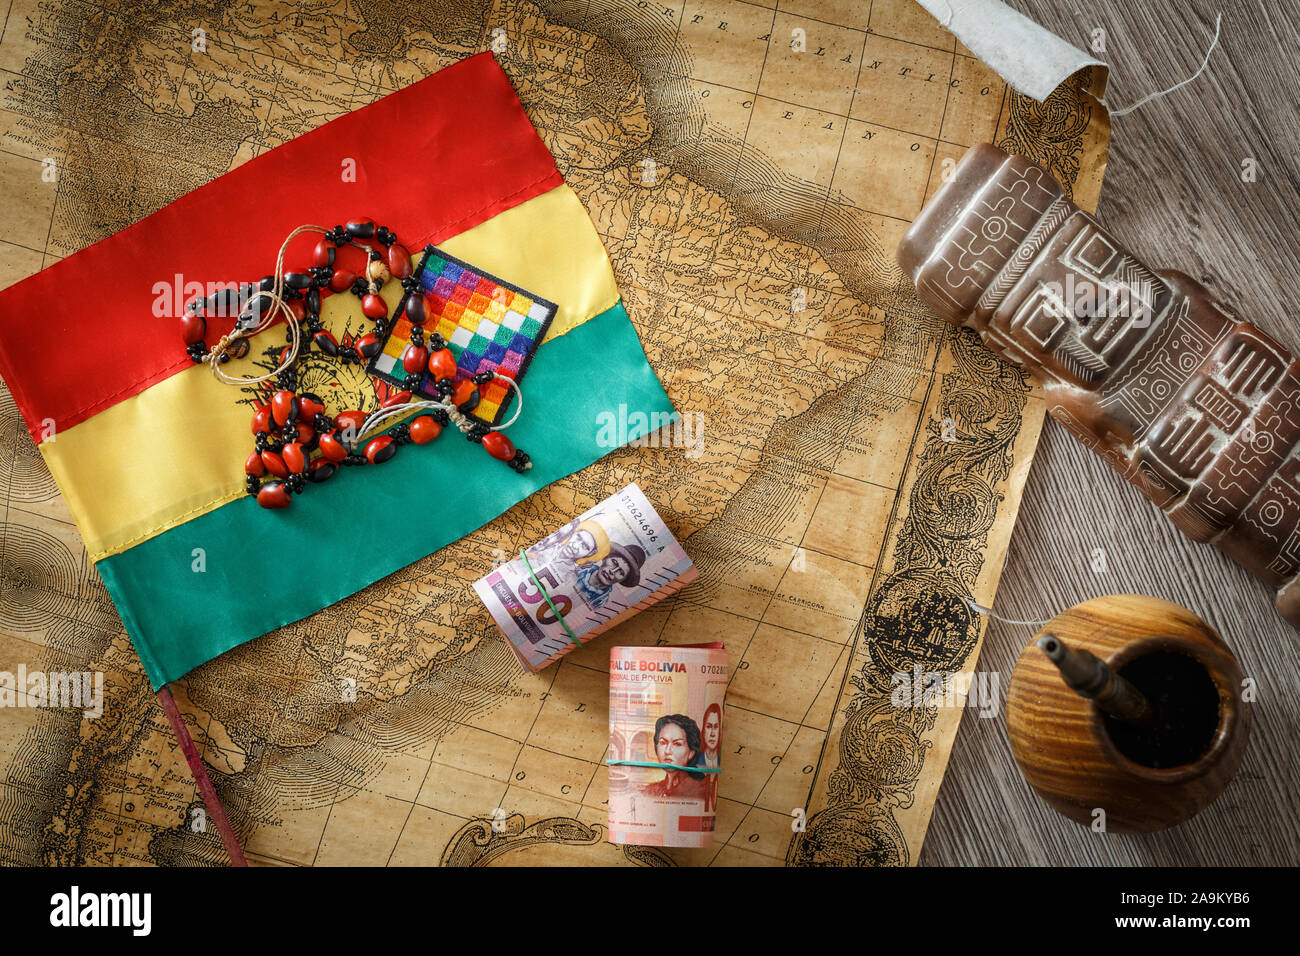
(1198, 410)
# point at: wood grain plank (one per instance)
(1174, 194)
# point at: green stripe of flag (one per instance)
(265, 569)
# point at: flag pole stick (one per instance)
(216, 812)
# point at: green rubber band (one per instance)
(664, 766)
(551, 604)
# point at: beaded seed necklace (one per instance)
(293, 425)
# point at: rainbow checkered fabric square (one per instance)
(489, 324)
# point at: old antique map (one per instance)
(852, 478)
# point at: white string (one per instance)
(394, 411)
(1159, 93)
(458, 418)
(519, 407)
(981, 609)
(278, 307)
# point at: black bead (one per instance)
(413, 382)
(436, 342)
(482, 378)
(440, 416)
(224, 302)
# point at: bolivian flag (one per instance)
(148, 448)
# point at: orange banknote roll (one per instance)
(666, 706)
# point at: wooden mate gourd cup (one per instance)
(1129, 704)
(1199, 411)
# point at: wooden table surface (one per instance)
(1174, 194)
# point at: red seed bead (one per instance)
(305, 432)
(415, 358)
(332, 448)
(323, 254)
(424, 430)
(275, 464)
(293, 458)
(442, 364)
(380, 449)
(416, 308)
(262, 419)
(350, 420)
(374, 306)
(499, 446)
(397, 398)
(254, 466)
(362, 230)
(298, 308)
(326, 342)
(466, 396)
(309, 407)
(321, 470)
(273, 494)
(193, 328)
(399, 261)
(342, 281)
(284, 407)
(368, 346)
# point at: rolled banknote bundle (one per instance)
(665, 743)
(603, 566)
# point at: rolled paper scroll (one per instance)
(665, 743)
(600, 568)
(1198, 410)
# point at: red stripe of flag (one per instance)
(431, 161)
